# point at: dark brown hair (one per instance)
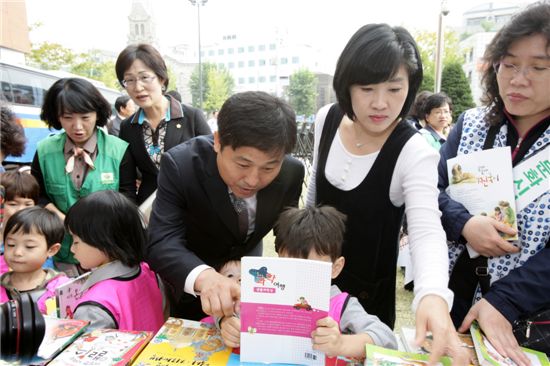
(298, 231)
(20, 184)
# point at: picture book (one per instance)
(235, 360)
(103, 347)
(388, 357)
(59, 334)
(185, 342)
(67, 295)
(487, 354)
(281, 301)
(407, 335)
(483, 182)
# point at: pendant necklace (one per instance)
(357, 143)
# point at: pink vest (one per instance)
(134, 304)
(335, 312)
(49, 291)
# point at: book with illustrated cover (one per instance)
(58, 335)
(407, 335)
(68, 294)
(389, 357)
(483, 182)
(281, 301)
(487, 354)
(185, 342)
(103, 347)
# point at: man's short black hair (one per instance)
(257, 119)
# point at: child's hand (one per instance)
(327, 337)
(231, 331)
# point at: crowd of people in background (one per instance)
(219, 186)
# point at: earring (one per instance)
(163, 88)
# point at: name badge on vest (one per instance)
(107, 178)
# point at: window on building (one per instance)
(261, 47)
(241, 80)
(211, 53)
(261, 79)
(241, 63)
(241, 50)
(272, 78)
(284, 60)
(295, 59)
(230, 51)
(272, 46)
(251, 80)
(220, 52)
(221, 65)
(261, 62)
(251, 48)
(251, 63)
(231, 65)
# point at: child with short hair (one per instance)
(317, 233)
(21, 190)
(109, 239)
(30, 237)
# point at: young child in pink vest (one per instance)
(31, 236)
(317, 233)
(109, 239)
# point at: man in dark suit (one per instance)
(124, 107)
(194, 225)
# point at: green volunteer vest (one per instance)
(60, 187)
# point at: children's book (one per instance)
(483, 182)
(104, 347)
(487, 354)
(407, 335)
(185, 342)
(58, 335)
(281, 301)
(68, 294)
(388, 357)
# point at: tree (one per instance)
(51, 56)
(427, 45)
(90, 66)
(217, 86)
(302, 91)
(455, 84)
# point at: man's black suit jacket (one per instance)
(193, 221)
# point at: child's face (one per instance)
(232, 270)
(26, 253)
(88, 256)
(16, 204)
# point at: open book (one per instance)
(281, 301)
(483, 183)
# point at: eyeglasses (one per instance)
(143, 79)
(531, 72)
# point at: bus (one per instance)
(24, 88)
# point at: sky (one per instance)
(85, 24)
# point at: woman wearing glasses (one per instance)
(161, 122)
(516, 114)
(437, 112)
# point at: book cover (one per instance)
(487, 354)
(483, 182)
(281, 301)
(185, 342)
(407, 335)
(67, 295)
(59, 334)
(103, 347)
(388, 357)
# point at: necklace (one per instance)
(357, 143)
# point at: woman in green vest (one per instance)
(80, 160)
